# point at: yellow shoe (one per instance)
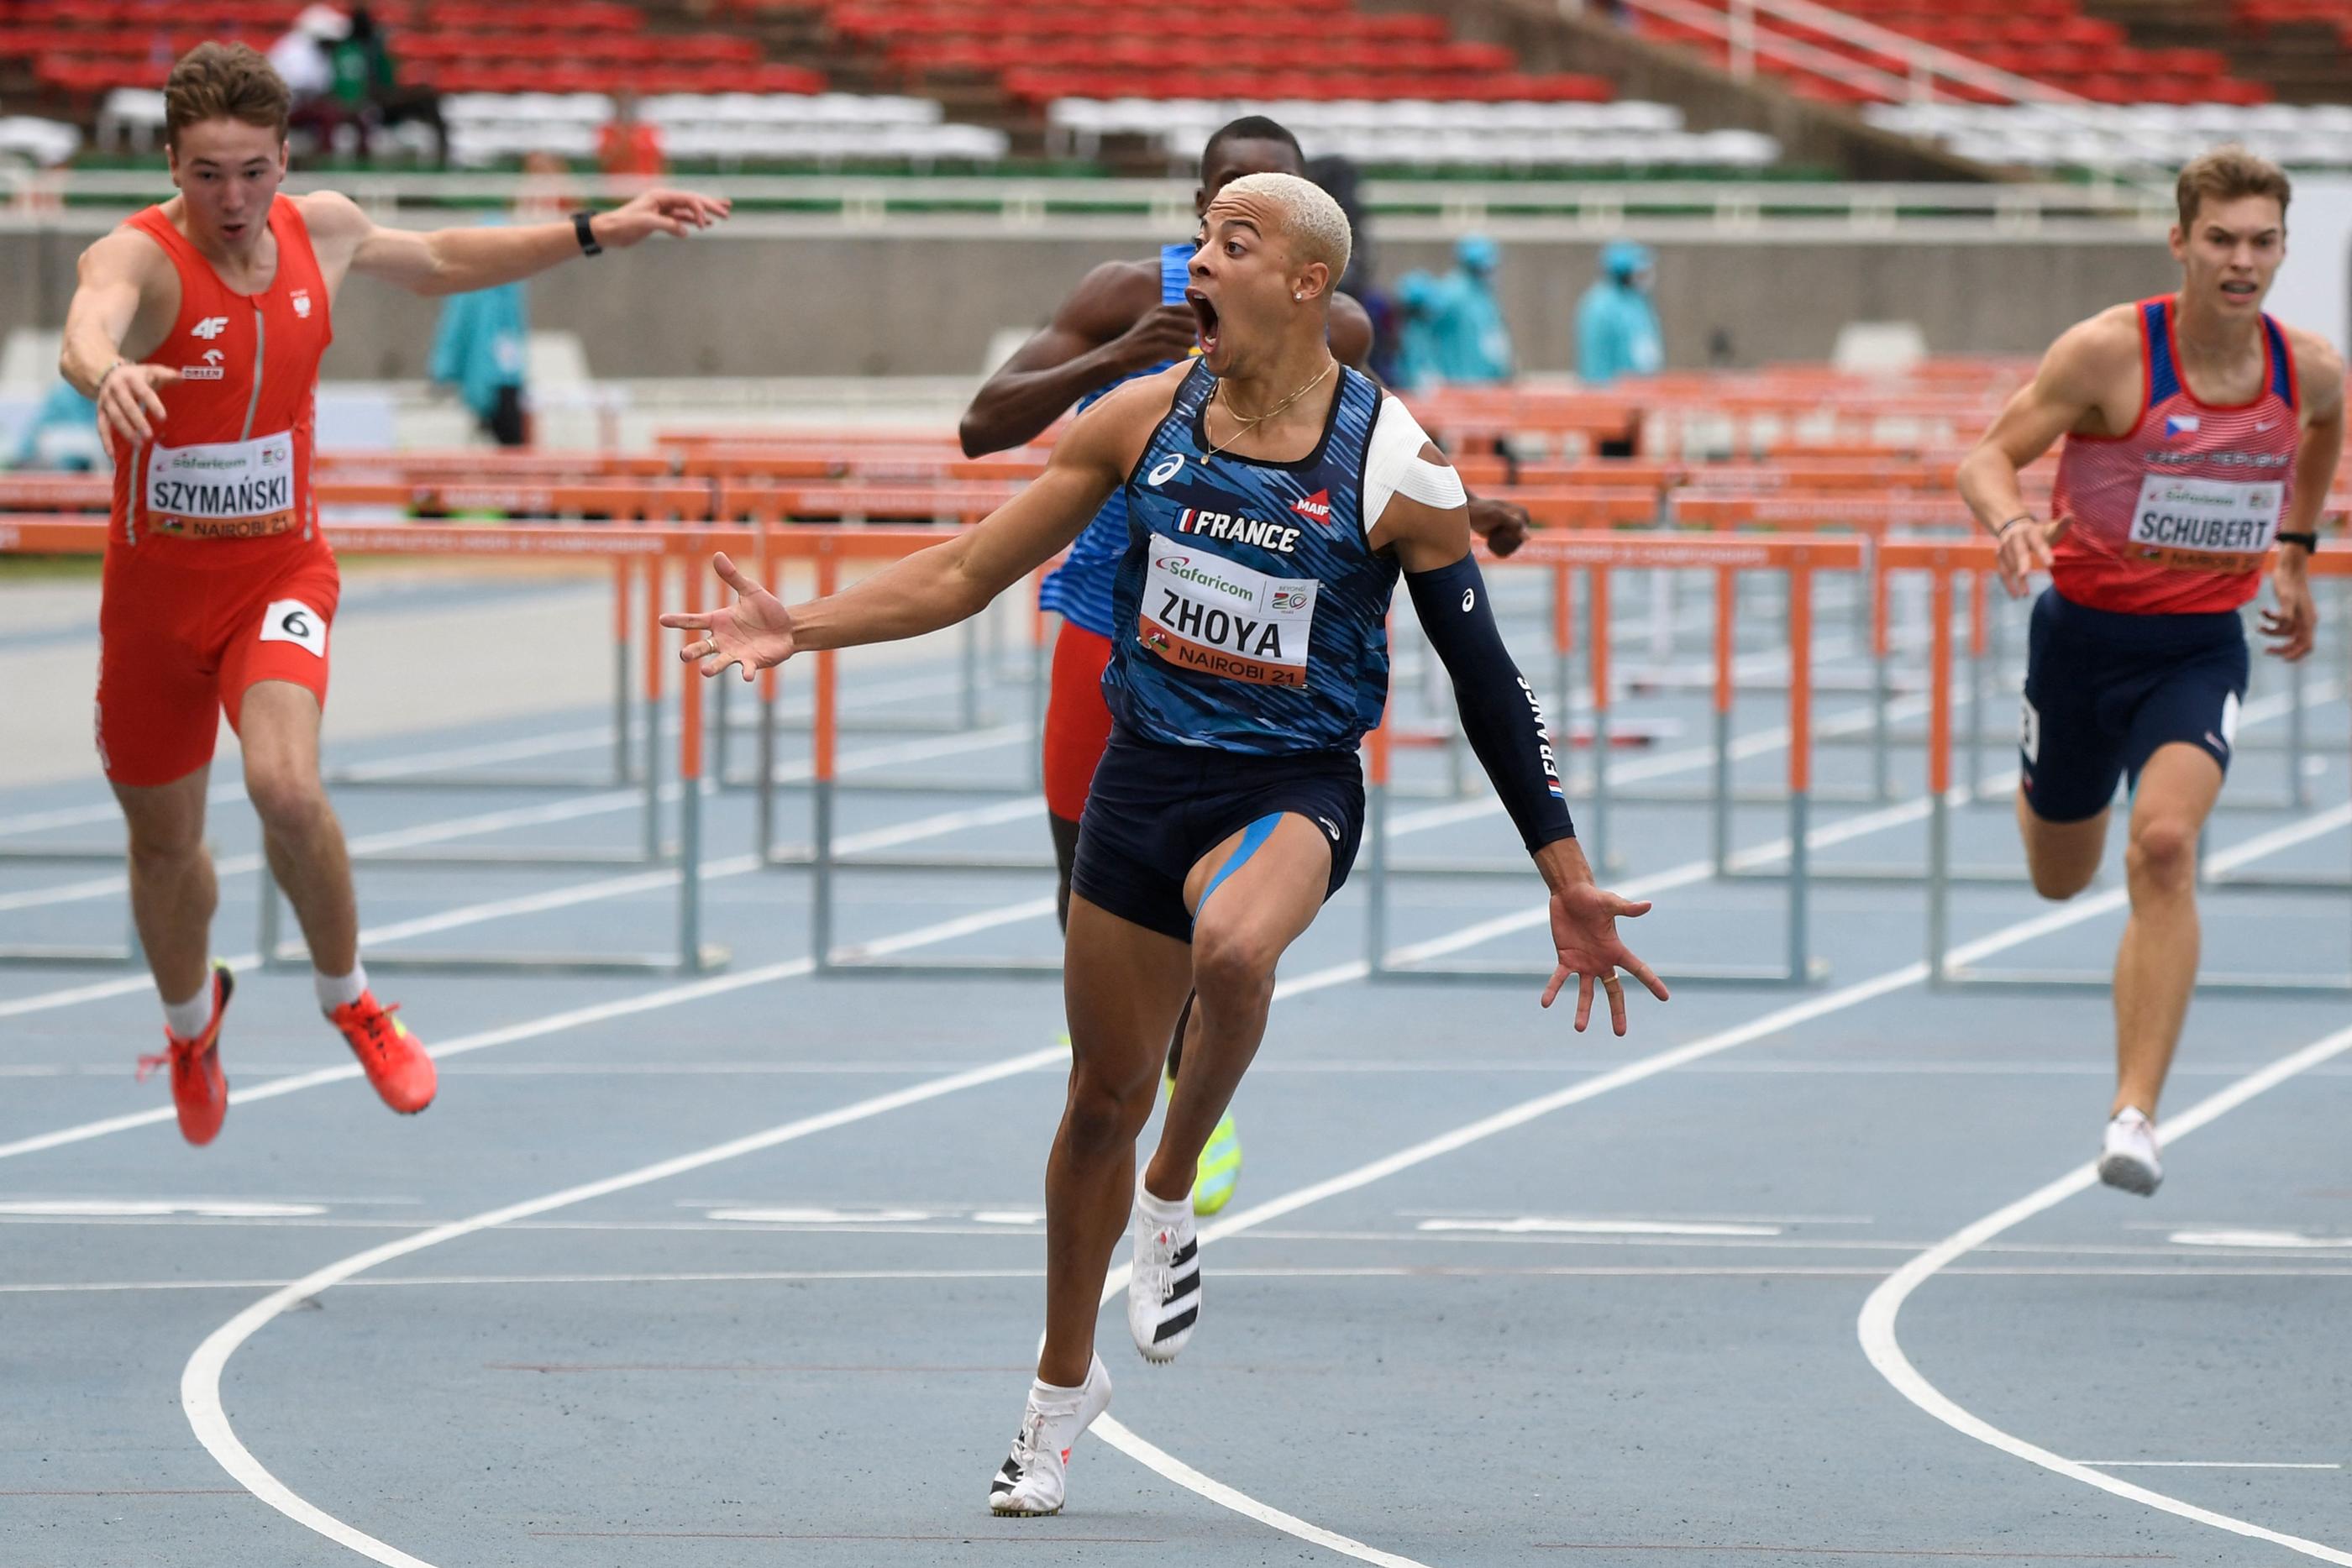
(1220, 1170)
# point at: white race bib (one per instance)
(225, 490)
(2207, 525)
(1205, 614)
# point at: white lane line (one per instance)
(1155, 1458)
(553, 1023)
(927, 749)
(552, 742)
(1877, 1326)
(1295, 1272)
(241, 1464)
(563, 897)
(2205, 1465)
(200, 1381)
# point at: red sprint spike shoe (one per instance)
(393, 1059)
(199, 1087)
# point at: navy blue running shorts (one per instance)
(1154, 810)
(2104, 690)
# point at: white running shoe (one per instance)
(1163, 1288)
(1035, 1475)
(2128, 1159)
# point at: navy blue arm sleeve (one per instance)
(1500, 712)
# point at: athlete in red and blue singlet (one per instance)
(2200, 437)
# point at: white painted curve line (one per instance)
(1155, 1458)
(1876, 1326)
(200, 1380)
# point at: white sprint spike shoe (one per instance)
(1034, 1477)
(1163, 1288)
(2127, 1156)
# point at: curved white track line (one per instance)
(200, 1380)
(1876, 1326)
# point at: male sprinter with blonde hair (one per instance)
(197, 325)
(2198, 434)
(1251, 656)
(1127, 319)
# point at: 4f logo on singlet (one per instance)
(1215, 616)
(208, 329)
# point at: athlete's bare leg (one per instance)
(1065, 857)
(2156, 968)
(1238, 938)
(1123, 984)
(2060, 857)
(278, 724)
(173, 891)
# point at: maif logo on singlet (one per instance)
(1216, 617)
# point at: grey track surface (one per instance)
(1456, 1364)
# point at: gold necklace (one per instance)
(1248, 424)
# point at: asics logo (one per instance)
(1166, 468)
(1469, 598)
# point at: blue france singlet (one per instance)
(1252, 610)
(1080, 589)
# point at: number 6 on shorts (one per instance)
(291, 621)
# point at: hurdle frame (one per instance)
(1800, 556)
(1941, 559)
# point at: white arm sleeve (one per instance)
(1394, 466)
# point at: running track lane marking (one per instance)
(200, 1380)
(1876, 1326)
(1153, 1457)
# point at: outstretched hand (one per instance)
(755, 632)
(1584, 936)
(674, 212)
(2026, 548)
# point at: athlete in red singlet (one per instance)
(2200, 433)
(198, 326)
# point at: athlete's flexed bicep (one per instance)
(2083, 382)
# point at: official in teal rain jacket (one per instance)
(1617, 331)
(1469, 342)
(478, 350)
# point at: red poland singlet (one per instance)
(231, 459)
(2176, 517)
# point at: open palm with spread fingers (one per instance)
(755, 632)
(1585, 935)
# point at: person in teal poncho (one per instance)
(1617, 331)
(478, 350)
(1468, 342)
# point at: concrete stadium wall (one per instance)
(831, 305)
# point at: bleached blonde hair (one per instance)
(1312, 222)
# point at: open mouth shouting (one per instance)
(1205, 313)
(2242, 291)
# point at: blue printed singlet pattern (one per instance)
(1204, 656)
(1080, 589)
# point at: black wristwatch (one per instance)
(2310, 542)
(580, 226)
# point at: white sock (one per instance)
(1049, 1396)
(339, 991)
(187, 1019)
(1160, 1212)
